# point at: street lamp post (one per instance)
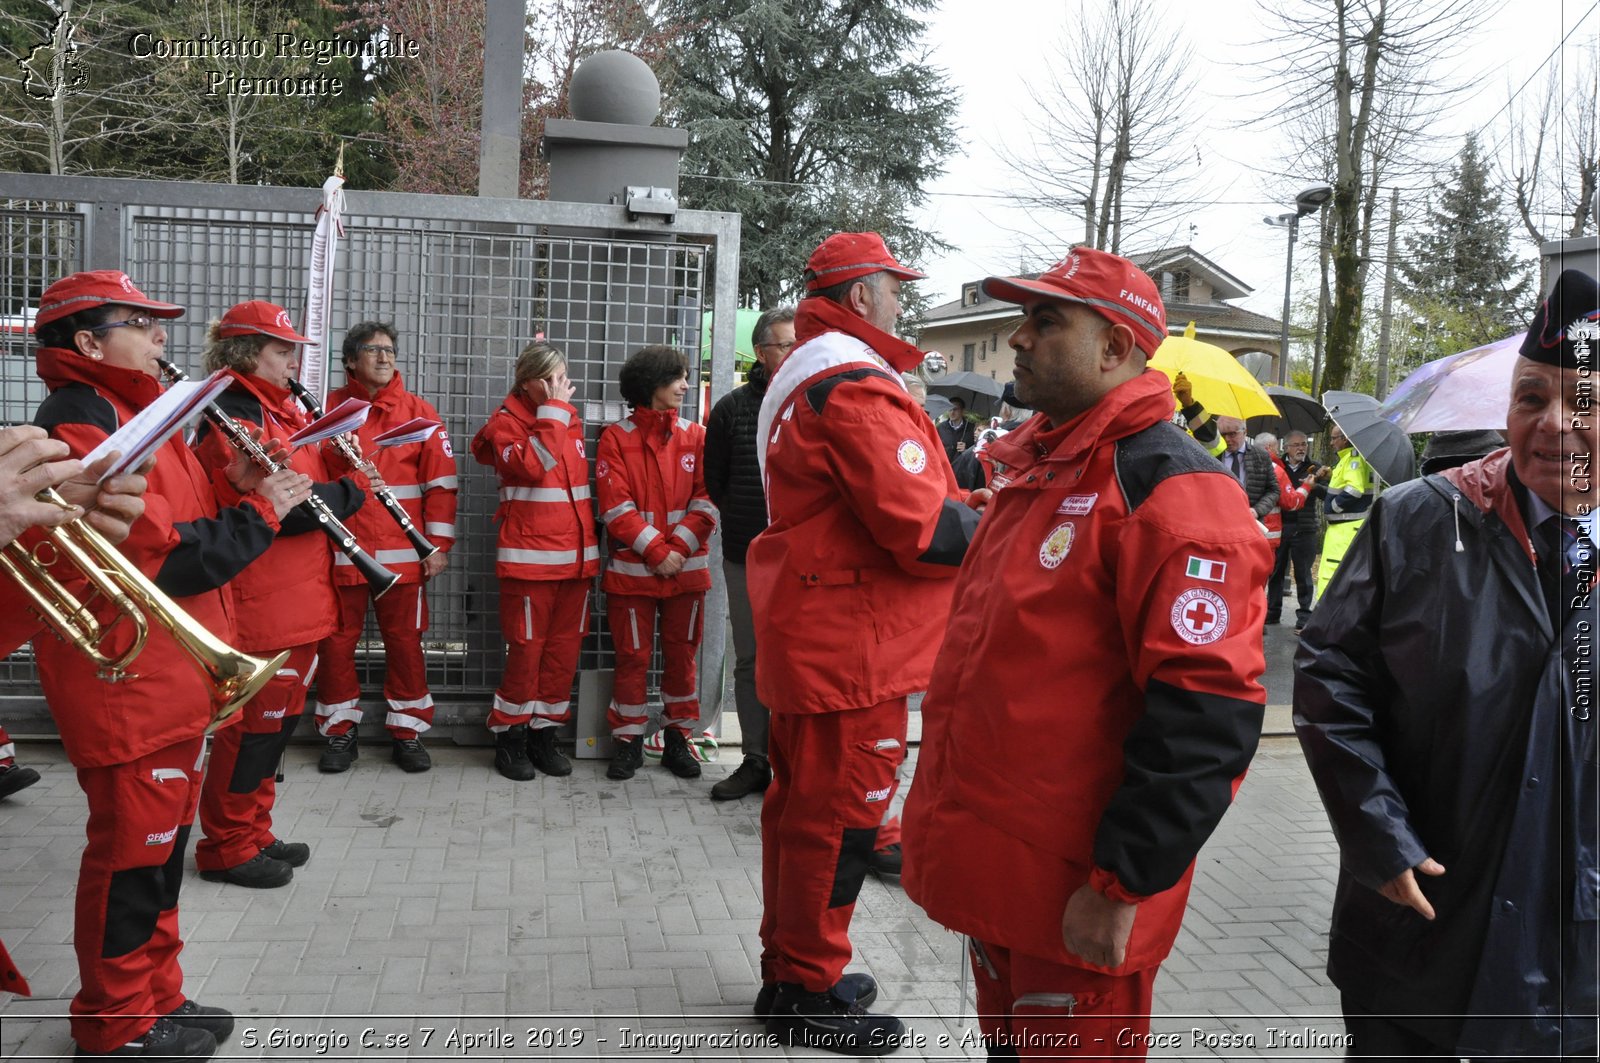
(1308, 202)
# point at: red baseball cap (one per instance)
(258, 315)
(849, 256)
(98, 287)
(1108, 284)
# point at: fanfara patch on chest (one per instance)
(687, 461)
(1200, 616)
(911, 455)
(1077, 505)
(1057, 545)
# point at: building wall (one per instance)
(990, 355)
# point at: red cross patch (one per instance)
(1199, 616)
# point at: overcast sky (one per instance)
(992, 49)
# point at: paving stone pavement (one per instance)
(533, 920)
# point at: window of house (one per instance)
(969, 295)
(1177, 286)
(968, 356)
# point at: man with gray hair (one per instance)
(733, 480)
(1250, 465)
(1298, 546)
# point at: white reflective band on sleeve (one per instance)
(545, 494)
(545, 457)
(443, 483)
(631, 568)
(536, 557)
(553, 413)
(700, 505)
(406, 491)
(442, 530)
(382, 557)
(642, 541)
(616, 511)
(688, 537)
(674, 516)
(415, 723)
(591, 553)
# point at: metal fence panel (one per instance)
(466, 282)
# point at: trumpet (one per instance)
(380, 579)
(232, 677)
(391, 504)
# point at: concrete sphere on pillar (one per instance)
(615, 86)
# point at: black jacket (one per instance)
(1440, 718)
(951, 434)
(1304, 518)
(1260, 482)
(732, 467)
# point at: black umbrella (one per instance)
(1298, 411)
(980, 393)
(1384, 444)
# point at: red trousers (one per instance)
(8, 751)
(126, 920)
(633, 629)
(543, 623)
(1035, 1008)
(402, 618)
(834, 776)
(236, 800)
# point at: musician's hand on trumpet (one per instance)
(30, 462)
(284, 489)
(114, 505)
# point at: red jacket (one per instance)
(546, 515)
(851, 583)
(653, 502)
(1095, 705)
(421, 475)
(285, 596)
(189, 546)
(1290, 497)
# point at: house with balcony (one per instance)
(971, 331)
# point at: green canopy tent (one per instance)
(744, 349)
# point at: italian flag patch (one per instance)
(1206, 569)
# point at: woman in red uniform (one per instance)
(659, 520)
(286, 602)
(137, 744)
(547, 557)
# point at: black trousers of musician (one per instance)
(1298, 547)
(239, 792)
(126, 919)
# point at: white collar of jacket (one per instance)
(824, 353)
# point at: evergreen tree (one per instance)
(807, 117)
(1461, 279)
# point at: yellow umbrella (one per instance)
(1223, 386)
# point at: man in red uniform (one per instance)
(422, 476)
(1111, 623)
(137, 745)
(850, 586)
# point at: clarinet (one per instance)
(378, 578)
(419, 542)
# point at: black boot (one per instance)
(676, 756)
(340, 753)
(822, 1020)
(14, 777)
(511, 753)
(165, 1040)
(627, 758)
(544, 754)
(750, 777)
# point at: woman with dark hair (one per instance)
(659, 520)
(547, 556)
(286, 602)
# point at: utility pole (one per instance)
(1388, 296)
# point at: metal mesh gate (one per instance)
(466, 282)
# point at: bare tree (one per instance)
(1551, 157)
(1114, 110)
(1363, 74)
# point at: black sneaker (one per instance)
(295, 854)
(165, 1040)
(341, 752)
(628, 758)
(750, 777)
(544, 754)
(677, 757)
(260, 872)
(822, 1020)
(410, 754)
(511, 753)
(857, 989)
(218, 1022)
(14, 777)
(887, 861)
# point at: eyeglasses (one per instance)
(375, 348)
(142, 322)
(782, 347)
